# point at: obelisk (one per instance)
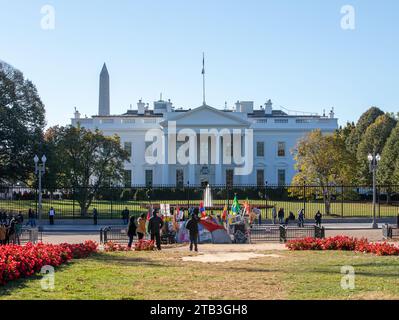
(104, 99)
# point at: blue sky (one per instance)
(293, 52)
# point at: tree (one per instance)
(85, 161)
(323, 160)
(389, 162)
(365, 120)
(373, 140)
(21, 125)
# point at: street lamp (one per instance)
(374, 159)
(40, 168)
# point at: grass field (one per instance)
(163, 275)
(106, 209)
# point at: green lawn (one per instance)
(107, 209)
(163, 275)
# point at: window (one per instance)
(260, 178)
(281, 149)
(229, 177)
(148, 178)
(128, 148)
(281, 177)
(179, 178)
(260, 149)
(280, 120)
(127, 178)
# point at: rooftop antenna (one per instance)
(225, 105)
(160, 97)
(203, 78)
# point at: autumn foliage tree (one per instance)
(85, 161)
(323, 161)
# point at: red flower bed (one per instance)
(144, 245)
(112, 247)
(344, 243)
(23, 261)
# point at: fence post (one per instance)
(265, 199)
(304, 199)
(73, 203)
(342, 201)
(283, 233)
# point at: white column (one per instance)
(192, 166)
(219, 161)
(165, 166)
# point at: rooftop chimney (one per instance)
(141, 107)
(269, 107)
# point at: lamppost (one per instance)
(40, 168)
(374, 159)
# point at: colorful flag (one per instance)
(202, 210)
(247, 207)
(148, 215)
(224, 214)
(235, 207)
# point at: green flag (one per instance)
(235, 208)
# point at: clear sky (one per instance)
(293, 52)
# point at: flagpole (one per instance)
(203, 78)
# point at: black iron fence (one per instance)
(334, 201)
(282, 233)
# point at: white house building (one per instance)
(274, 135)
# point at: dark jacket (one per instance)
(31, 214)
(317, 217)
(192, 224)
(125, 214)
(281, 213)
(131, 228)
(155, 224)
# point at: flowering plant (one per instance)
(23, 261)
(144, 245)
(112, 247)
(344, 243)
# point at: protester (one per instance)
(291, 217)
(154, 226)
(317, 218)
(131, 230)
(281, 216)
(31, 218)
(192, 227)
(51, 214)
(95, 216)
(125, 216)
(11, 231)
(301, 218)
(141, 221)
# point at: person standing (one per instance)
(301, 218)
(274, 214)
(192, 227)
(141, 221)
(95, 216)
(31, 218)
(125, 216)
(131, 231)
(281, 216)
(51, 215)
(154, 227)
(317, 218)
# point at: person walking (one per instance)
(51, 215)
(95, 216)
(281, 216)
(131, 230)
(125, 216)
(301, 218)
(154, 227)
(141, 221)
(192, 227)
(274, 214)
(317, 218)
(31, 218)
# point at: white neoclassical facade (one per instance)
(263, 137)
